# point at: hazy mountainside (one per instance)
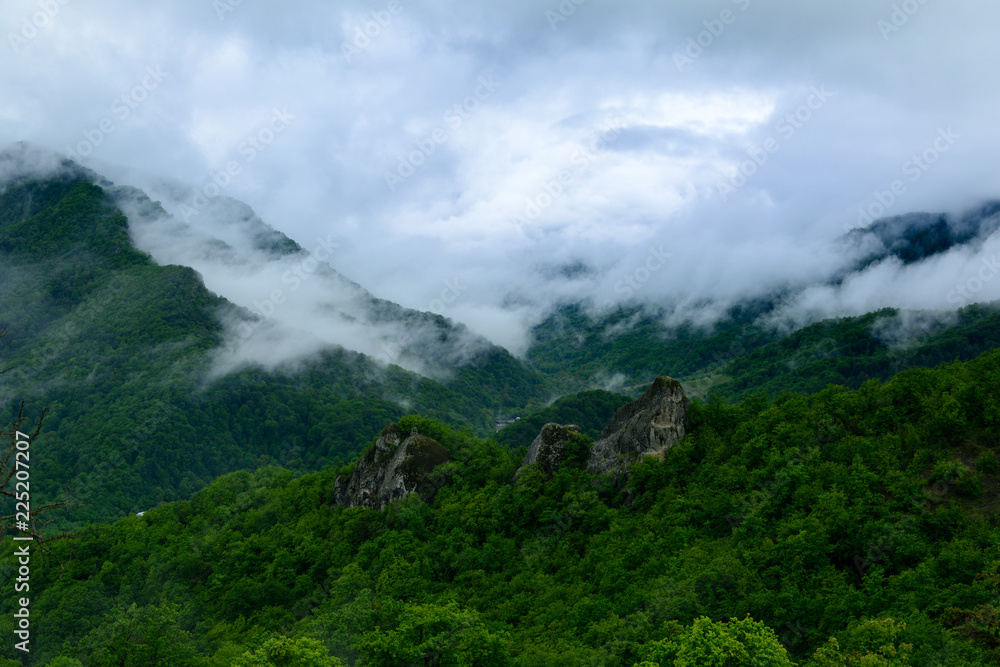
(120, 349)
(917, 236)
(740, 356)
(291, 293)
(590, 410)
(867, 512)
(140, 363)
(632, 345)
(852, 350)
(625, 347)
(842, 528)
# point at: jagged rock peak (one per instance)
(392, 469)
(548, 449)
(651, 424)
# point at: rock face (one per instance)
(650, 425)
(549, 449)
(391, 470)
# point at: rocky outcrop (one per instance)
(549, 449)
(395, 467)
(650, 425)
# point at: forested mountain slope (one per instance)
(869, 516)
(852, 350)
(119, 350)
(628, 344)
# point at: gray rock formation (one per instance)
(650, 425)
(392, 469)
(548, 450)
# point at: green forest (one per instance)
(116, 348)
(847, 527)
(833, 502)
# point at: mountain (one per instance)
(140, 365)
(94, 321)
(621, 350)
(590, 410)
(623, 347)
(844, 527)
(852, 350)
(139, 361)
(829, 496)
(916, 236)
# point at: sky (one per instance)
(487, 160)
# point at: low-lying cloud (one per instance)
(588, 147)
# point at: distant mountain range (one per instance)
(140, 365)
(916, 236)
(156, 385)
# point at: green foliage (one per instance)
(590, 410)
(120, 349)
(706, 643)
(807, 517)
(872, 643)
(579, 349)
(288, 652)
(987, 462)
(865, 515)
(435, 635)
(852, 350)
(41, 220)
(63, 661)
(139, 637)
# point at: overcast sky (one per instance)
(486, 159)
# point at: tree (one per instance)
(434, 635)
(139, 637)
(874, 645)
(710, 644)
(17, 459)
(288, 652)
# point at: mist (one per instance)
(488, 162)
(292, 303)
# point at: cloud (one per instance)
(414, 93)
(956, 278)
(292, 303)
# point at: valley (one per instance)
(838, 480)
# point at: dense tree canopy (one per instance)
(846, 527)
